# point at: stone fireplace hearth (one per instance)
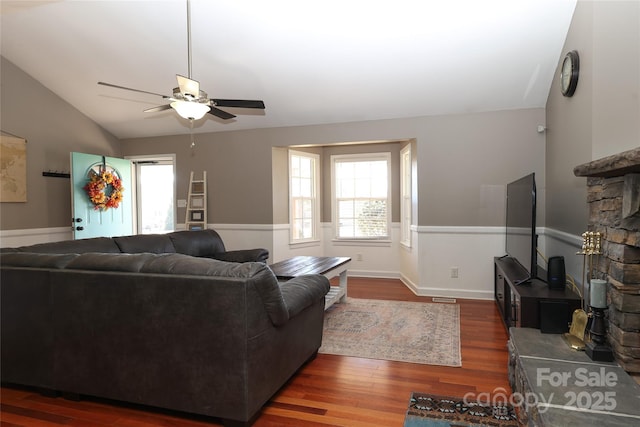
(613, 195)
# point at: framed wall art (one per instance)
(13, 168)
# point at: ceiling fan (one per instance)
(188, 100)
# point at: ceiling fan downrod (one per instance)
(189, 38)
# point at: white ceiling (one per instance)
(312, 62)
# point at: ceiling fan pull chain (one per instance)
(193, 141)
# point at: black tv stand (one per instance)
(528, 302)
(523, 281)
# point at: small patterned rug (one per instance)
(415, 332)
(430, 410)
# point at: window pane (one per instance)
(297, 228)
(361, 188)
(295, 187)
(302, 189)
(156, 198)
(346, 228)
(305, 167)
(296, 208)
(306, 187)
(307, 209)
(295, 166)
(371, 218)
(307, 229)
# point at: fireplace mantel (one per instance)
(616, 165)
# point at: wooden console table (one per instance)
(563, 387)
(329, 267)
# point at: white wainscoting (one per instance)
(246, 236)
(470, 250)
(368, 259)
(32, 236)
(283, 250)
(559, 243)
(425, 267)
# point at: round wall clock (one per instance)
(569, 73)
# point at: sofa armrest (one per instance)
(302, 291)
(243, 255)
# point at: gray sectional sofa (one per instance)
(156, 320)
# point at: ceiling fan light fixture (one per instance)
(190, 110)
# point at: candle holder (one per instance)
(598, 349)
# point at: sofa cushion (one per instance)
(189, 265)
(96, 244)
(36, 260)
(110, 262)
(152, 243)
(303, 291)
(201, 243)
(264, 280)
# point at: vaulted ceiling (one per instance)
(312, 62)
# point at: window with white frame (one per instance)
(361, 195)
(304, 214)
(405, 196)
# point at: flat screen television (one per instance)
(521, 225)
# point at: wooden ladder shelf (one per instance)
(196, 217)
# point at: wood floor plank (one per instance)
(330, 391)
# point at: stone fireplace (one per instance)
(613, 196)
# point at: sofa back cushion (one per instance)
(110, 262)
(201, 243)
(96, 244)
(152, 243)
(36, 260)
(195, 266)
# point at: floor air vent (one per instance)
(437, 299)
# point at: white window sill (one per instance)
(305, 244)
(361, 242)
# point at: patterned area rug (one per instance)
(394, 330)
(430, 410)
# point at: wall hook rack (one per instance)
(56, 174)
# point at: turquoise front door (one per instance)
(102, 207)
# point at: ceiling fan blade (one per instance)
(222, 114)
(240, 103)
(158, 108)
(188, 87)
(134, 90)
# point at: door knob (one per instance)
(79, 228)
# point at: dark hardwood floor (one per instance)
(329, 391)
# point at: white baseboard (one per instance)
(426, 291)
(374, 274)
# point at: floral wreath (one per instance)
(104, 189)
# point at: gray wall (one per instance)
(603, 116)
(52, 128)
(463, 163)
